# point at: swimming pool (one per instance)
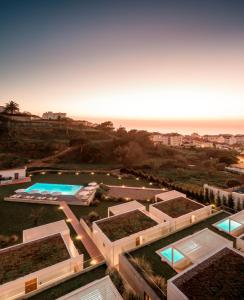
(228, 225)
(172, 255)
(64, 189)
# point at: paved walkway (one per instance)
(91, 248)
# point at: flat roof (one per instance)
(126, 207)
(100, 289)
(178, 207)
(123, 225)
(221, 276)
(26, 258)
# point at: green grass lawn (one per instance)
(72, 284)
(163, 269)
(85, 178)
(16, 217)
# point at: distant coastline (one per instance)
(181, 126)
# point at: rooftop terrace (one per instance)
(178, 207)
(24, 259)
(221, 276)
(126, 224)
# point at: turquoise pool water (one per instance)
(228, 225)
(64, 189)
(172, 255)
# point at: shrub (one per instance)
(93, 216)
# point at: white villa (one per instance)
(125, 231)
(101, 289)
(217, 276)
(46, 255)
(191, 249)
(13, 176)
(179, 212)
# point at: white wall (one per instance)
(11, 172)
(169, 195)
(182, 221)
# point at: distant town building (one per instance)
(169, 139)
(239, 139)
(53, 116)
(202, 144)
(2, 108)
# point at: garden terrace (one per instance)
(221, 276)
(149, 251)
(178, 207)
(120, 226)
(27, 258)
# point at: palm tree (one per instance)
(11, 107)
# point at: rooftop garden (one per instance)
(149, 251)
(222, 274)
(178, 207)
(25, 259)
(124, 225)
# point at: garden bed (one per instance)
(24, 259)
(124, 225)
(219, 277)
(178, 207)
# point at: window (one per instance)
(16, 175)
(138, 240)
(31, 285)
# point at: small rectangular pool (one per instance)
(228, 225)
(64, 189)
(172, 255)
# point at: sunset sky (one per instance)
(151, 60)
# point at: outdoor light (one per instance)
(59, 173)
(108, 174)
(93, 262)
(143, 187)
(92, 173)
(119, 178)
(68, 220)
(43, 173)
(78, 237)
(137, 178)
(150, 183)
(77, 173)
(30, 175)
(61, 207)
(123, 186)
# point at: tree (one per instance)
(11, 107)
(232, 183)
(218, 201)
(106, 126)
(230, 202)
(224, 200)
(129, 154)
